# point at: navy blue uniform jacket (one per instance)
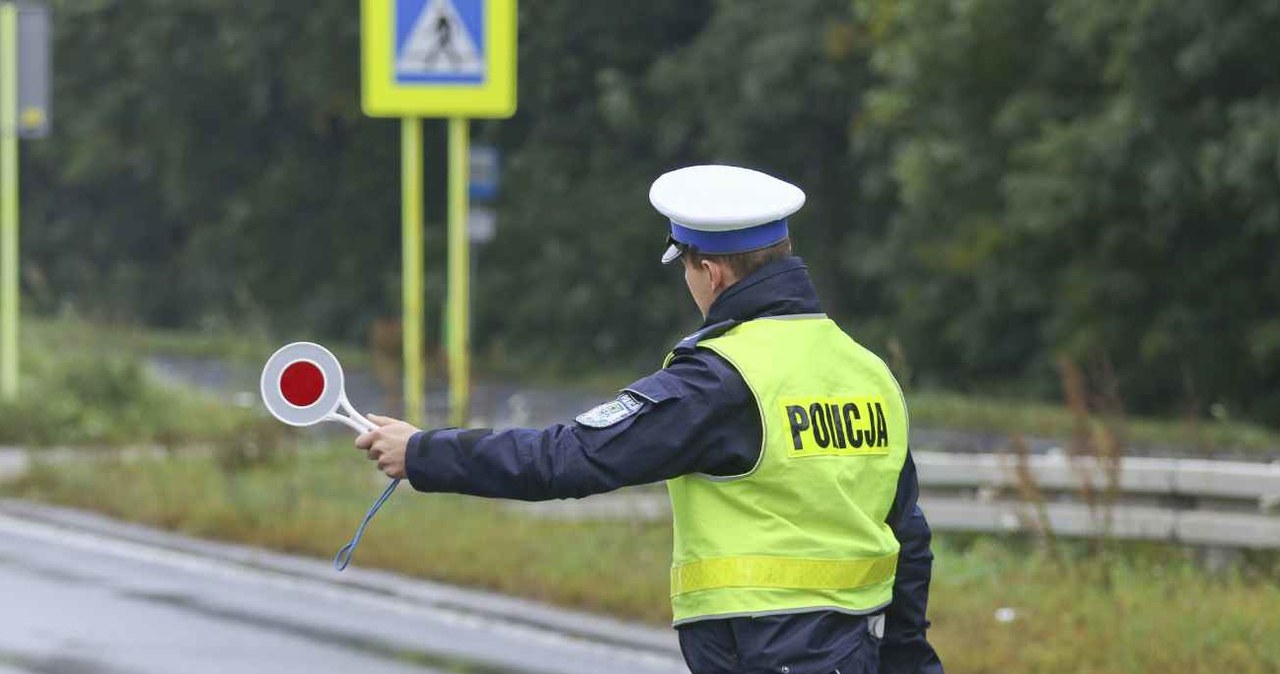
(706, 421)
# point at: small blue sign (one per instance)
(439, 42)
(485, 173)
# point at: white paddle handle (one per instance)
(354, 424)
(353, 419)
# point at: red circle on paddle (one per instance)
(301, 383)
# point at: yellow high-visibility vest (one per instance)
(805, 529)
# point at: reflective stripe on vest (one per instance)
(805, 528)
(782, 572)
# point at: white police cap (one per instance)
(721, 209)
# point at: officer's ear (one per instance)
(718, 273)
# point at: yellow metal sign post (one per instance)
(437, 58)
(9, 201)
(411, 256)
(24, 113)
(459, 301)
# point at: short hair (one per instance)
(741, 264)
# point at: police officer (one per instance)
(799, 546)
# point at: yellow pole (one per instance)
(459, 303)
(411, 243)
(9, 197)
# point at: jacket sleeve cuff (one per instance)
(424, 460)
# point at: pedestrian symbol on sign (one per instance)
(440, 41)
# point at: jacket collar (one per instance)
(779, 288)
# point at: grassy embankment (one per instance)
(1132, 609)
(937, 409)
(60, 355)
(84, 386)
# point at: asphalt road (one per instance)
(79, 602)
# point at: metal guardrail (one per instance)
(1202, 502)
(1212, 503)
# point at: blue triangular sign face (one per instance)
(439, 45)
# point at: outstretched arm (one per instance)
(676, 421)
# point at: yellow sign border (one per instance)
(381, 96)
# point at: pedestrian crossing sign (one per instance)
(438, 58)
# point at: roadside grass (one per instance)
(942, 410)
(76, 392)
(1138, 608)
(72, 338)
(234, 345)
(1128, 608)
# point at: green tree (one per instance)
(573, 276)
(1093, 178)
(604, 111)
(212, 162)
(992, 182)
(779, 86)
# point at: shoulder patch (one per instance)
(610, 413)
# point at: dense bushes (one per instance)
(992, 183)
